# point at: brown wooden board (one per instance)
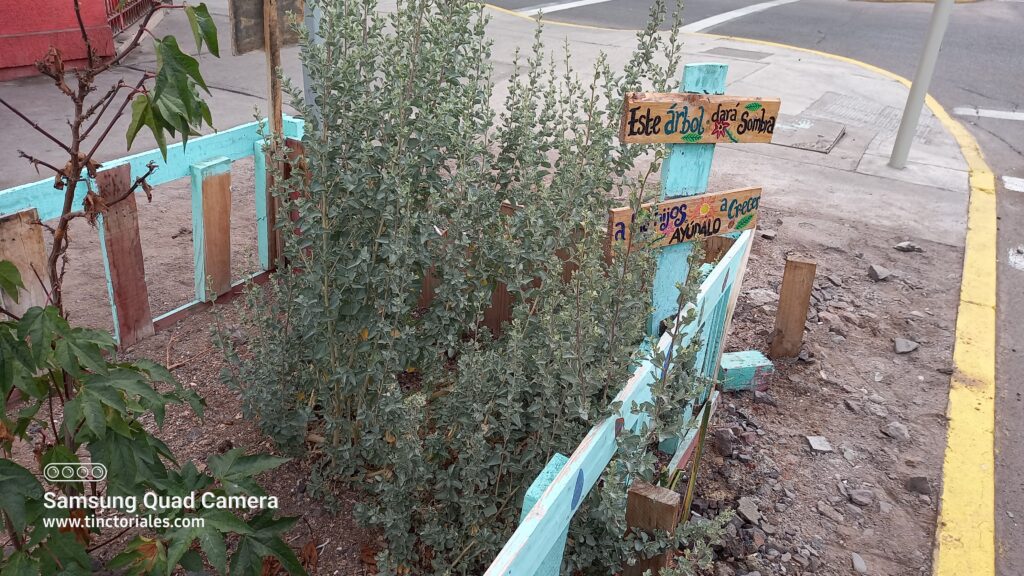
(650, 508)
(217, 229)
(678, 118)
(246, 16)
(795, 296)
(21, 243)
(689, 218)
(123, 251)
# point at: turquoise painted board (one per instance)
(525, 551)
(259, 169)
(234, 143)
(684, 172)
(552, 563)
(747, 370)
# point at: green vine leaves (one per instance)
(174, 105)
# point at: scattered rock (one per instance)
(768, 234)
(761, 297)
(819, 444)
(896, 431)
(904, 346)
(858, 563)
(918, 484)
(907, 246)
(829, 512)
(835, 280)
(878, 273)
(850, 455)
(876, 409)
(724, 441)
(747, 509)
(763, 398)
(884, 507)
(851, 405)
(862, 496)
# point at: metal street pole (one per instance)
(922, 80)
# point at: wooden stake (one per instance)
(797, 281)
(651, 507)
(272, 48)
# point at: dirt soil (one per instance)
(166, 233)
(874, 494)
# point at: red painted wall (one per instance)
(29, 27)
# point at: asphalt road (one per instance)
(981, 66)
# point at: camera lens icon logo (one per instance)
(75, 472)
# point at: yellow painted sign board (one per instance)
(677, 118)
(689, 218)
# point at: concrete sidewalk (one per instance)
(927, 200)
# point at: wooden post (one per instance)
(552, 563)
(684, 172)
(121, 248)
(797, 281)
(272, 45)
(21, 243)
(211, 227)
(651, 507)
(272, 49)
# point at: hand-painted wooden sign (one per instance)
(679, 118)
(689, 218)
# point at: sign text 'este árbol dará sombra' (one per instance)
(689, 218)
(675, 118)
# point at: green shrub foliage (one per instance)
(408, 173)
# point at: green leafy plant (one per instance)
(406, 175)
(74, 400)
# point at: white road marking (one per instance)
(1013, 183)
(556, 7)
(987, 113)
(706, 23)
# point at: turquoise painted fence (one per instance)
(182, 161)
(542, 530)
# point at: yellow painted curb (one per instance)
(965, 534)
(966, 531)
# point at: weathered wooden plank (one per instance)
(649, 508)
(21, 243)
(795, 296)
(674, 118)
(247, 23)
(168, 319)
(121, 248)
(687, 218)
(211, 227)
(264, 204)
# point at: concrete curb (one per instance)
(965, 532)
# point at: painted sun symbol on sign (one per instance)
(705, 209)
